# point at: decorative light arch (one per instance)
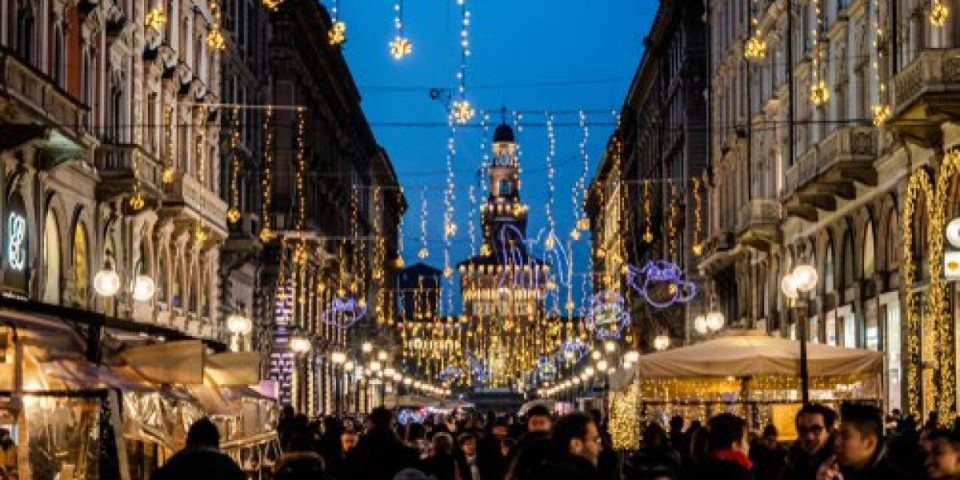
(918, 184)
(937, 305)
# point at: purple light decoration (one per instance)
(607, 316)
(449, 373)
(344, 312)
(577, 348)
(658, 272)
(546, 369)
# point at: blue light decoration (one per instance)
(546, 369)
(344, 312)
(478, 368)
(407, 416)
(607, 316)
(664, 276)
(449, 373)
(573, 350)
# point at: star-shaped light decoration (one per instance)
(156, 18)
(881, 113)
(575, 234)
(400, 47)
(266, 234)
(338, 33)
(755, 48)
(233, 215)
(447, 272)
(423, 253)
(462, 111)
(697, 249)
(216, 40)
(820, 93)
(167, 176)
(137, 201)
(450, 229)
(939, 13)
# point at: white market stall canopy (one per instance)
(754, 353)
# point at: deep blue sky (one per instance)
(528, 55)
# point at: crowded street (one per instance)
(479, 239)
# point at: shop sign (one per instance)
(16, 244)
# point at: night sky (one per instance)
(531, 56)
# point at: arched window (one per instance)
(25, 27)
(893, 247)
(58, 60)
(162, 287)
(869, 252)
(828, 271)
(80, 266)
(51, 259)
(176, 294)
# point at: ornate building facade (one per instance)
(643, 200)
(834, 145)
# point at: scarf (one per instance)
(734, 456)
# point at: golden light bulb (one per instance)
(423, 253)
(338, 33)
(697, 249)
(233, 215)
(168, 175)
(137, 201)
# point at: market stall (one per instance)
(751, 374)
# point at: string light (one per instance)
(215, 38)
(424, 251)
(398, 264)
(300, 251)
(266, 234)
(917, 185)
(819, 91)
(580, 187)
(233, 214)
(881, 110)
(167, 177)
(551, 153)
(136, 200)
(648, 220)
(697, 218)
(938, 13)
(156, 18)
(400, 46)
(461, 108)
(338, 29)
(755, 47)
(672, 224)
(625, 417)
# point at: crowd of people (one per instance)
(856, 444)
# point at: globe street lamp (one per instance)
(794, 285)
(708, 323)
(661, 342)
(107, 282)
(238, 325)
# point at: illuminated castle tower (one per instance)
(503, 287)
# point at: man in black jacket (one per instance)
(574, 451)
(380, 454)
(860, 453)
(814, 445)
(201, 459)
(534, 445)
(729, 457)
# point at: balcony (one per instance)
(120, 165)
(187, 201)
(926, 94)
(758, 223)
(34, 108)
(830, 171)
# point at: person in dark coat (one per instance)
(814, 445)
(767, 455)
(860, 452)
(729, 443)
(300, 466)
(339, 466)
(943, 460)
(609, 462)
(656, 451)
(328, 445)
(380, 454)
(534, 445)
(491, 460)
(574, 451)
(201, 459)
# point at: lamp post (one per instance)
(709, 323)
(801, 280)
(238, 326)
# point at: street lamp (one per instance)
(144, 288)
(238, 325)
(661, 342)
(300, 345)
(801, 280)
(610, 346)
(107, 282)
(709, 322)
(367, 347)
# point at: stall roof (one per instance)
(745, 354)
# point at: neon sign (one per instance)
(608, 315)
(17, 233)
(661, 283)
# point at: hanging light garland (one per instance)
(215, 38)
(300, 250)
(647, 218)
(580, 187)
(819, 90)
(881, 110)
(136, 201)
(551, 153)
(424, 251)
(697, 218)
(755, 47)
(338, 29)
(461, 108)
(400, 46)
(201, 235)
(266, 234)
(233, 213)
(168, 174)
(398, 263)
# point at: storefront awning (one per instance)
(233, 368)
(171, 363)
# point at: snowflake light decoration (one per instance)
(400, 47)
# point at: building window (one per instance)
(504, 187)
(848, 277)
(51, 259)
(868, 252)
(80, 266)
(58, 60)
(828, 276)
(25, 27)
